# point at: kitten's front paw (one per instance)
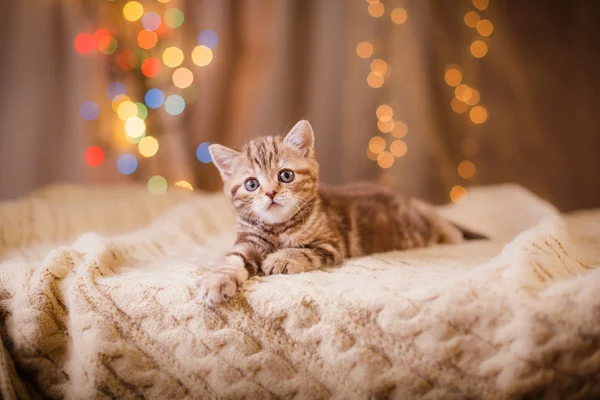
(216, 288)
(283, 264)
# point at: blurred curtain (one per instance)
(281, 60)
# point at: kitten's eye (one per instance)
(286, 176)
(251, 184)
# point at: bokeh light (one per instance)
(385, 159)
(479, 49)
(208, 38)
(172, 57)
(481, 4)
(399, 15)
(474, 99)
(142, 110)
(478, 114)
(163, 1)
(151, 67)
(364, 49)
(174, 104)
(463, 92)
(107, 45)
(384, 112)
(151, 21)
(377, 144)
(372, 156)
(94, 156)
(134, 140)
(375, 81)
(89, 110)
(135, 127)
(141, 56)
(458, 193)
(100, 36)
(118, 100)
(185, 185)
(147, 39)
(182, 77)
(379, 67)
(472, 19)
(127, 60)
(458, 106)
(485, 27)
(376, 9)
(400, 129)
(385, 126)
(202, 56)
(157, 184)
(154, 98)
(398, 148)
(466, 169)
(173, 18)
(453, 77)
(127, 164)
(84, 43)
(202, 153)
(115, 89)
(148, 146)
(133, 11)
(126, 110)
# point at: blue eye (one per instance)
(251, 184)
(286, 176)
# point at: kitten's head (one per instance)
(271, 178)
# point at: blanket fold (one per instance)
(97, 299)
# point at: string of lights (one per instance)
(466, 97)
(143, 54)
(380, 71)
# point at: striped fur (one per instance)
(307, 225)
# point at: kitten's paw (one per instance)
(283, 264)
(216, 288)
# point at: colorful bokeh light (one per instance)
(94, 156)
(147, 39)
(89, 110)
(148, 146)
(84, 43)
(185, 185)
(174, 104)
(127, 164)
(127, 60)
(126, 110)
(202, 153)
(132, 11)
(182, 77)
(115, 89)
(154, 98)
(208, 38)
(142, 110)
(172, 57)
(174, 18)
(135, 127)
(151, 67)
(151, 21)
(202, 56)
(157, 184)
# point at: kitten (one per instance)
(287, 223)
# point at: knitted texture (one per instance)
(98, 286)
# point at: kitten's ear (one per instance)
(302, 138)
(223, 158)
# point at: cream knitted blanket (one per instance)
(112, 314)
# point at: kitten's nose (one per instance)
(271, 194)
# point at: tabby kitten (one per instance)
(287, 223)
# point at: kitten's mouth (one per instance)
(273, 205)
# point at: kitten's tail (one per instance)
(469, 234)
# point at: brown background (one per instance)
(281, 60)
